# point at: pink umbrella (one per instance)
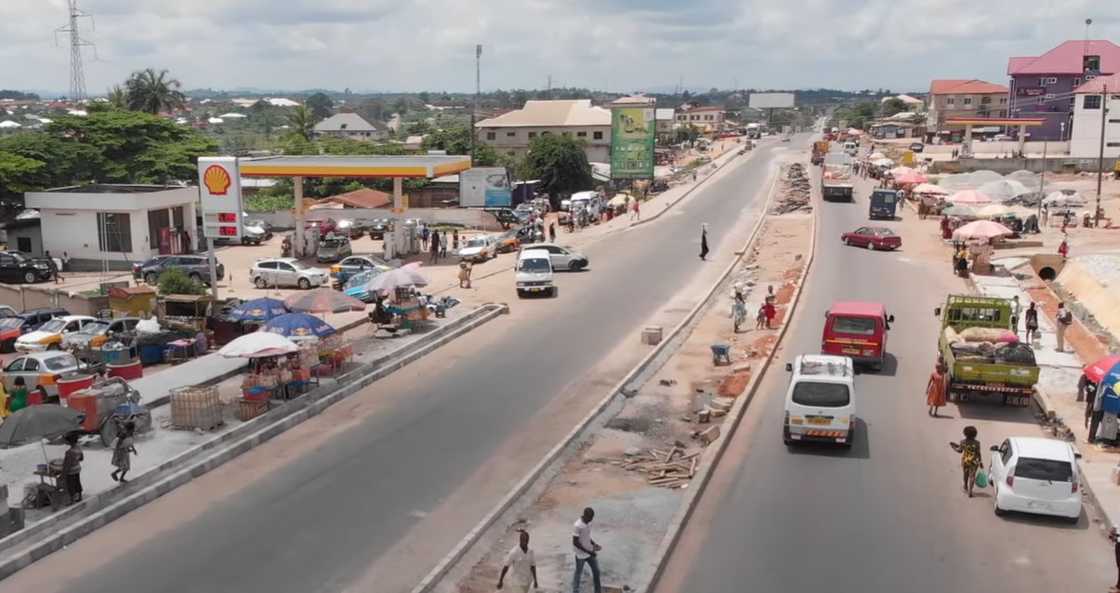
(910, 176)
(929, 188)
(970, 196)
(981, 229)
(323, 300)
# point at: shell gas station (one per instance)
(1022, 123)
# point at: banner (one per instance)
(485, 187)
(1031, 91)
(633, 135)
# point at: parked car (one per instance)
(37, 317)
(872, 238)
(11, 328)
(348, 227)
(287, 271)
(1036, 475)
(6, 311)
(40, 368)
(917, 147)
(508, 242)
(379, 226)
(253, 232)
(17, 268)
(49, 336)
(477, 249)
(100, 331)
(343, 270)
(356, 285)
(333, 248)
(197, 267)
(325, 227)
(563, 258)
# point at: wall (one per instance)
(34, 233)
(1053, 149)
(1085, 139)
(468, 217)
(518, 143)
(1055, 109)
(75, 232)
(24, 297)
(1036, 165)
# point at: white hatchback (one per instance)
(821, 401)
(1036, 475)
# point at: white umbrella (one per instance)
(1025, 177)
(1064, 199)
(992, 210)
(957, 182)
(258, 344)
(882, 162)
(984, 176)
(407, 275)
(982, 229)
(1004, 189)
(930, 189)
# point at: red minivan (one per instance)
(858, 330)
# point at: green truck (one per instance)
(990, 370)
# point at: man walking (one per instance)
(586, 551)
(435, 246)
(1065, 319)
(552, 232)
(521, 565)
(52, 267)
(1016, 310)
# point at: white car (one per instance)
(50, 335)
(287, 271)
(1036, 475)
(820, 402)
(563, 258)
(534, 273)
(478, 248)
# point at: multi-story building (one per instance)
(1085, 133)
(963, 98)
(706, 119)
(511, 133)
(1043, 86)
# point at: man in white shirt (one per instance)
(521, 565)
(586, 550)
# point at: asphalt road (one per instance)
(323, 518)
(889, 515)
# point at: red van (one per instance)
(858, 330)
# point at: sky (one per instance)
(612, 45)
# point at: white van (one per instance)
(534, 272)
(851, 148)
(586, 199)
(821, 400)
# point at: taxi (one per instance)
(49, 336)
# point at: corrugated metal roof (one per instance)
(577, 112)
(345, 122)
(1096, 86)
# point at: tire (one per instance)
(259, 282)
(870, 246)
(29, 277)
(520, 293)
(995, 507)
(848, 242)
(575, 266)
(304, 284)
(151, 278)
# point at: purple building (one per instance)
(1042, 86)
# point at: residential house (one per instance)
(1085, 133)
(511, 132)
(706, 119)
(1043, 86)
(963, 98)
(666, 124)
(349, 125)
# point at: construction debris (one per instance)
(707, 435)
(671, 468)
(793, 193)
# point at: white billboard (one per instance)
(485, 187)
(771, 100)
(219, 192)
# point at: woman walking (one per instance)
(969, 448)
(935, 388)
(704, 241)
(72, 468)
(121, 453)
(1031, 319)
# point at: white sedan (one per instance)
(1036, 475)
(478, 249)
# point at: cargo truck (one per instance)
(836, 179)
(998, 371)
(820, 148)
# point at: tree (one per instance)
(457, 140)
(153, 92)
(372, 110)
(424, 97)
(175, 281)
(400, 105)
(560, 164)
(418, 128)
(301, 122)
(118, 97)
(892, 106)
(320, 105)
(18, 174)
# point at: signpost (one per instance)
(633, 135)
(487, 187)
(219, 191)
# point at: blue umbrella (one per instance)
(298, 325)
(261, 309)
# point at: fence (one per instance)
(22, 298)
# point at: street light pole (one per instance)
(477, 90)
(1100, 155)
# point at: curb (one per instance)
(687, 193)
(110, 505)
(676, 527)
(432, 579)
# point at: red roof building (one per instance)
(1044, 85)
(964, 97)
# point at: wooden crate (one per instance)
(196, 407)
(251, 408)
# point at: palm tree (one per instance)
(118, 97)
(301, 122)
(153, 92)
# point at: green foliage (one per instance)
(892, 106)
(17, 174)
(560, 164)
(418, 128)
(153, 92)
(118, 97)
(270, 201)
(175, 281)
(320, 105)
(855, 115)
(302, 123)
(457, 140)
(372, 110)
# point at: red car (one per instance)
(872, 237)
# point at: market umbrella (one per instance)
(36, 422)
(984, 176)
(960, 211)
(258, 344)
(969, 196)
(992, 210)
(1098, 370)
(323, 300)
(261, 309)
(1064, 198)
(298, 325)
(931, 189)
(910, 176)
(981, 229)
(407, 275)
(1004, 189)
(877, 155)
(1025, 177)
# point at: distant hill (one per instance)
(18, 95)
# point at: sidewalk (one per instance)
(1058, 376)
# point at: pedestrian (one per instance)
(424, 235)
(65, 262)
(1016, 311)
(1063, 248)
(455, 239)
(1095, 413)
(1083, 384)
(465, 274)
(521, 565)
(435, 246)
(935, 388)
(1065, 319)
(769, 312)
(52, 267)
(760, 317)
(123, 449)
(72, 468)
(552, 232)
(704, 241)
(971, 462)
(1031, 320)
(443, 245)
(1045, 215)
(694, 176)
(18, 398)
(587, 551)
(1114, 537)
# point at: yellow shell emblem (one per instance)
(216, 179)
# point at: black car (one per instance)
(17, 268)
(378, 227)
(195, 266)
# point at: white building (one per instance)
(116, 224)
(511, 133)
(349, 125)
(1085, 137)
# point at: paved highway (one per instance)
(889, 515)
(374, 504)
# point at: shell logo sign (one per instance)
(216, 179)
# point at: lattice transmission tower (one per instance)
(77, 72)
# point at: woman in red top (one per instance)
(935, 389)
(1063, 249)
(770, 312)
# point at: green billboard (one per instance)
(633, 132)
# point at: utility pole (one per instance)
(1042, 182)
(77, 72)
(1100, 155)
(549, 86)
(477, 91)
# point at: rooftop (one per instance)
(857, 308)
(111, 188)
(1098, 84)
(577, 112)
(956, 86)
(1067, 58)
(345, 122)
(354, 166)
(1042, 448)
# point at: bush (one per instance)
(174, 281)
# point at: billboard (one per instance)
(633, 134)
(485, 187)
(219, 193)
(771, 100)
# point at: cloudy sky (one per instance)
(618, 45)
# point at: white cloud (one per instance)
(610, 44)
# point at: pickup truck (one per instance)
(984, 370)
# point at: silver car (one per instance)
(40, 367)
(287, 271)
